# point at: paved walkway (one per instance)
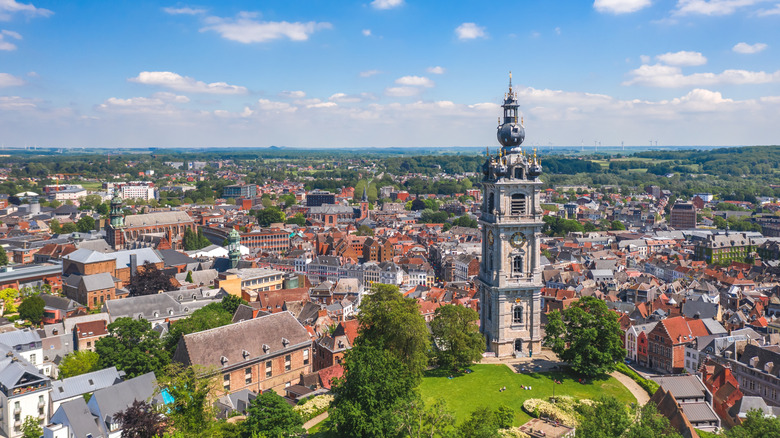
(639, 393)
(315, 421)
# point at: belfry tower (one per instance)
(510, 280)
(115, 236)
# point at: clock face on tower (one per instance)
(490, 237)
(517, 239)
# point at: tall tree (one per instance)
(85, 224)
(149, 280)
(375, 387)
(392, 322)
(79, 362)
(3, 257)
(421, 421)
(456, 336)
(270, 215)
(133, 347)
(485, 422)
(756, 425)
(607, 418)
(587, 336)
(31, 428)
(31, 309)
(190, 388)
(140, 420)
(208, 317)
(651, 424)
(269, 415)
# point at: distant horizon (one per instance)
(382, 73)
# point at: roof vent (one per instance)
(285, 342)
(245, 354)
(266, 348)
(223, 360)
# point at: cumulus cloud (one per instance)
(276, 107)
(185, 84)
(366, 32)
(415, 81)
(186, 10)
(369, 73)
(666, 76)
(436, 70)
(748, 49)
(768, 12)
(16, 103)
(620, 6)
(9, 80)
(470, 31)
(403, 91)
(682, 58)
(712, 7)
(246, 29)
(386, 4)
(4, 43)
(293, 94)
(10, 7)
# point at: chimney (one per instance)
(133, 265)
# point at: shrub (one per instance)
(313, 406)
(564, 413)
(646, 384)
(513, 432)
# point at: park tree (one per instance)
(69, 228)
(465, 221)
(140, 420)
(190, 389)
(149, 280)
(375, 387)
(419, 420)
(132, 346)
(85, 224)
(299, 219)
(616, 226)
(364, 230)
(3, 257)
(418, 204)
(31, 309)
(208, 317)
(269, 415)
(31, 428)
(55, 227)
(456, 336)
(9, 296)
(485, 422)
(607, 418)
(78, 363)
(270, 215)
(756, 425)
(587, 336)
(392, 322)
(650, 424)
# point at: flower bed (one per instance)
(564, 410)
(313, 406)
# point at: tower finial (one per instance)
(510, 82)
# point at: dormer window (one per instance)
(223, 360)
(245, 354)
(753, 361)
(266, 348)
(285, 342)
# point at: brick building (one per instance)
(683, 216)
(667, 341)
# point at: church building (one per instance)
(161, 230)
(510, 280)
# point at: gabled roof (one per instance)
(117, 398)
(84, 383)
(80, 420)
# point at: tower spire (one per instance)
(510, 82)
(365, 194)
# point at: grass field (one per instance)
(464, 393)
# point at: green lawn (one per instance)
(464, 393)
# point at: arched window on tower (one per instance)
(491, 205)
(517, 265)
(517, 314)
(518, 204)
(489, 308)
(518, 172)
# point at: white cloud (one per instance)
(712, 7)
(682, 58)
(386, 4)
(415, 81)
(620, 6)
(185, 84)
(170, 97)
(672, 77)
(436, 70)
(748, 49)
(276, 107)
(403, 91)
(9, 80)
(366, 32)
(10, 7)
(347, 98)
(186, 10)
(644, 59)
(470, 31)
(16, 103)
(245, 29)
(557, 30)
(7, 45)
(322, 105)
(369, 73)
(769, 12)
(293, 94)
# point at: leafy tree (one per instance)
(31, 309)
(419, 420)
(79, 362)
(270, 415)
(140, 420)
(651, 424)
(190, 388)
(208, 317)
(364, 230)
(188, 279)
(230, 303)
(149, 280)
(616, 225)
(133, 347)
(587, 336)
(390, 321)
(103, 209)
(270, 215)
(68, 228)
(607, 418)
(429, 216)
(85, 224)
(456, 334)
(756, 425)
(31, 428)
(288, 200)
(299, 219)
(375, 387)
(555, 226)
(9, 296)
(485, 422)
(3, 257)
(418, 204)
(465, 221)
(189, 240)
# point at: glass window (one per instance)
(268, 369)
(305, 357)
(517, 314)
(517, 264)
(288, 362)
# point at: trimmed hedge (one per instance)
(648, 385)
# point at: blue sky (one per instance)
(387, 73)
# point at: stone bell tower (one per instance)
(510, 280)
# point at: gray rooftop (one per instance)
(84, 383)
(682, 387)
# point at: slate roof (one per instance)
(682, 387)
(103, 280)
(764, 355)
(159, 218)
(145, 306)
(83, 255)
(84, 383)
(699, 412)
(61, 303)
(242, 341)
(79, 419)
(117, 398)
(699, 309)
(143, 255)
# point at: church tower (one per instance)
(510, 279)
(116, 221)
(364, 204)
(234, 248)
